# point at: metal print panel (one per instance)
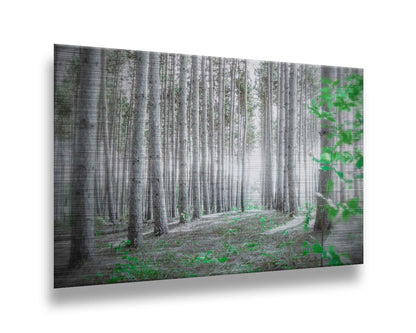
(173, 166)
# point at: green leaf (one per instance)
(326, 168)
(317, 248)
(335, 258)
(353, 203)
(223, 259)
(326, 158)
(333, 212)
(359, 163)
(340, 174)
(346, 214)
(326, 81)
(329, 186)
(346, 136)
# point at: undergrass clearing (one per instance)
(228, 243)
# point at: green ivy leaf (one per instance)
(359, 163)
(329, 186)
(317, 248)
(353, 203)
(326, 158)
(333, 212)
(346, 214)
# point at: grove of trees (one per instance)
(154, 137)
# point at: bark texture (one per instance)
(137, 148)
(82, 194)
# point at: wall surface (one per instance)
(375, 296)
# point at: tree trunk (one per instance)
(293, 207)
(183, 144)
(243, 157)
(205, 174)
(173, 138)
(220, 140)
(196, 197)
(137, 147)
(212, 138)
(231, 141)
(322, 221)
(159, 207)
(82, 192)
(281, 144)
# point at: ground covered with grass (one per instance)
(228, 243)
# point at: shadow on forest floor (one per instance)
(224, 243)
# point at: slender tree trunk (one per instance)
(243, 158)
(220, 140)
(286, 143)
(159, 207)
(323, 222)
(196, 198)
(183, 148)
(108, 174)
(293, 207)
(280, 173)
(173, 138)
(137, 148)
(269, 152)
(205, 174)
(212, 138)
(126, 146)
(231, 141)
(82, 192)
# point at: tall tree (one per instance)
(204, 173)
(174, 139)
(244, 144)
(212, 137)
(106, 138)
(268, 141)
(231, 141)
(137, 147)
(322, 221)
(183, 144)
(220, 166)
(82, 190)
(196, 196)
(158, 193)
(293, 207)
(281, 144)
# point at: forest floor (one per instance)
(225, 243)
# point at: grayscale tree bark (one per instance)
(220, 139)
(196, 195)
(159, 204)
(322, 221)
(109, 188)
(174, 146)
(183, 144)
(83, 168)
(204, 173)
(293, 207)
(212, 138)
(137, 148)
(244, 144)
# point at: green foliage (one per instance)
(337, 99)
(308, 217)
(331, 253)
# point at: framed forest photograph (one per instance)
(175, 166)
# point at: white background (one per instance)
(377, 296)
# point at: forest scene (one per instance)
(175, 166)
